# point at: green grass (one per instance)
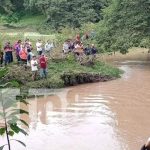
(58, 68)
(28, 23)
(31, 20)
(61, 73)
(14, 83)
(3, 72)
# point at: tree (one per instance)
(71, 13)
(6, 6)
(126, 24)
(10, 116)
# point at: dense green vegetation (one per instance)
(119, 24)
(126, 24)
(57, 14)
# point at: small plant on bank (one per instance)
(10, 118)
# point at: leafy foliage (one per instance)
(126, 24)
(70, 12)
(121, 23)
(59, 13)
(10, 116)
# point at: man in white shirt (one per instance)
(39, 47)
(49, 47)
(34, 67)
(66, 47)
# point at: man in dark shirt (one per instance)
(93, 52)
(87, 50)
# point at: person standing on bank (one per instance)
(49, 47)
(93, 52)
(43, 66)
(34, 67)
(23, 55)
(39, 47)
(8, 53)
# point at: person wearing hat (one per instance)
(34, 67)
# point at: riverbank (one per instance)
(61, 73)
(67, 72)
(133, 54)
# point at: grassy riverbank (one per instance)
(61, 73)
(133, 54)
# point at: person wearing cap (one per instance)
(146, 146)
(43, 66)
(34, 67)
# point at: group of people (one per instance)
(77, 47)
(25, 56)
(24, 53)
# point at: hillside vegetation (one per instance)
(126, 24)
(119, 24)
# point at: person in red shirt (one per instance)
(43, 66)
(8, 53)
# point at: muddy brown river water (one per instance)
(114, 115)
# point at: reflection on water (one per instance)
(100, 116)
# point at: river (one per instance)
(112, 115)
